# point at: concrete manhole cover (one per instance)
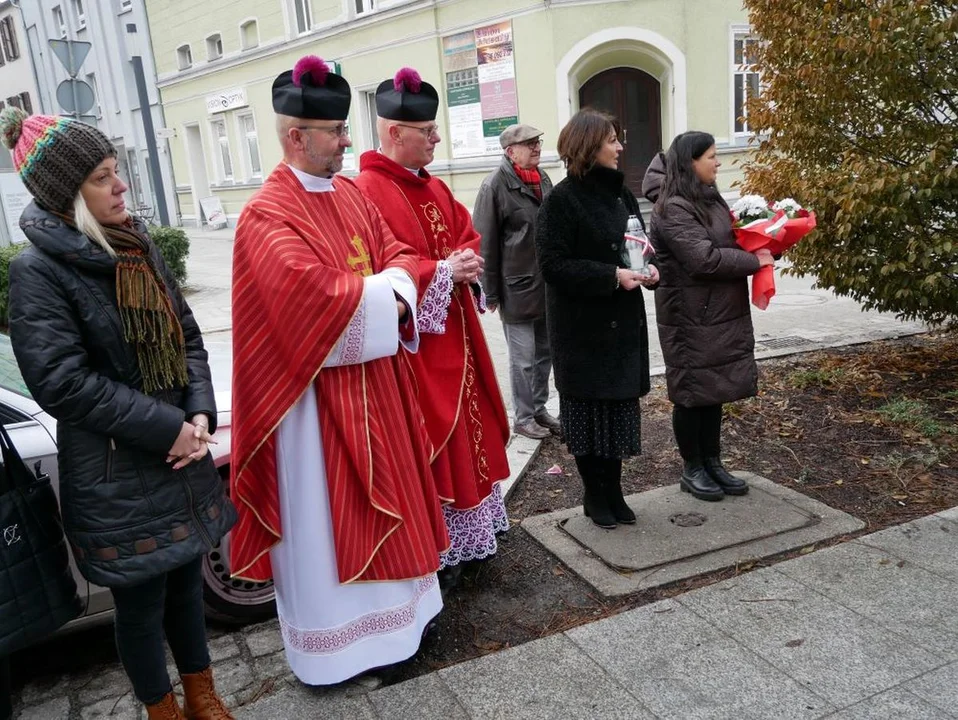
(690, 519)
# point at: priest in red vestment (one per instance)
(330, 465)
(458, 390)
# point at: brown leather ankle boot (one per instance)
(166, 709)
(201, 700)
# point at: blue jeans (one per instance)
(170, 604)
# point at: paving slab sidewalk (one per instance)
(866, 629)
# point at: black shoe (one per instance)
(730, 484)
(620, 508)
(698, 482)
(596, 505)
(550, 423)
(449, 578)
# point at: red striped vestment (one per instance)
(299, 259)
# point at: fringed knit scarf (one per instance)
(150, 324)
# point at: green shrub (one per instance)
(174, 245)
(6, 255)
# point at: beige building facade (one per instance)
(662, 66)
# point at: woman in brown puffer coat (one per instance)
(702, 308)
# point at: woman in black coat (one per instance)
(702, 309)
(108, 346)
(595, 312)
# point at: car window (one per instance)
(10, 377)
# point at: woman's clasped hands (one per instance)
(192, 443)
(630, 279)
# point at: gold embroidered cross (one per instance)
(360, 263)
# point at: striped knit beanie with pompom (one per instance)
(53, 154)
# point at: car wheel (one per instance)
(234, 600)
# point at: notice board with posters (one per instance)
(481, 95)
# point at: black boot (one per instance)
(594, 502)
(613, 493)
(730, 484)
(697, 482)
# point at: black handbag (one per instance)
(37, 591)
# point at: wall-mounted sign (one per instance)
(165, 133)
(226, 100)
(480, 88)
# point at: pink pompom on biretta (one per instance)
(407, 79)
(315, 66)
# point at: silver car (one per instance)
(34, 434)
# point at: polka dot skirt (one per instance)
(607, 428)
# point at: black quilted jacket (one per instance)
(127, 514)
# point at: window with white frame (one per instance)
(26, 103)
(79, 14)
(249, 34)
(368, 104)
(91, 81)
(364, 6)
(214, 47)
(184, 57)
(59, 22)
(126, 5)
(247, 127)
(745, 79)
(224, 161)
(304, 15)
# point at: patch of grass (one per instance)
(821, 377)
(913, 414)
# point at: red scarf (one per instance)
(531, 178)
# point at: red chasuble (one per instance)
(458, 390)
(299, 259)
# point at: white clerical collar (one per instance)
(312, 183)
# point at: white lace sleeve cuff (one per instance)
(434, 308)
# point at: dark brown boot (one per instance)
(166, 709)
(201, 700)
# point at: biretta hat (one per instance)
(407, 98)
(310, 90)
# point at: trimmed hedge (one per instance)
(6, 255)
(173, 243)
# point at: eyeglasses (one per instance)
(335, 130)
(531, 144)
(426, 132)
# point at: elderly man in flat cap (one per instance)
(458, 390)
(330, 470)
(505, 216)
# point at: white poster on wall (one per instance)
(15, 198)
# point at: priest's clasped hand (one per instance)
(466, 266)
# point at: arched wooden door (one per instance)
(634, 98)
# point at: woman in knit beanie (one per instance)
(108, 346)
